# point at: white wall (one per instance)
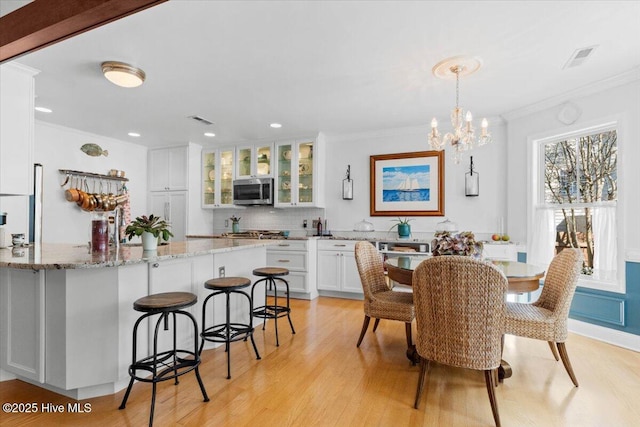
(58, 147)
(478, 214)
(620, 103)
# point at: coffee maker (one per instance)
(4, 241)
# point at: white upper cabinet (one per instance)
(254, 161)
(168, 169)
(217, 178)
(297, 182)
(16, 128)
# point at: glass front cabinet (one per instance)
(254, 161)
(217, 178)
(296, 181)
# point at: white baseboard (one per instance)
(611, 336)
(6, 376)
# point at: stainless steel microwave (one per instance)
(253, 191)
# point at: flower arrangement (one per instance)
(234, 219)
(463, 243)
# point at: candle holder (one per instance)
(347, 186)
(471, 182)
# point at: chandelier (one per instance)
(463, 137)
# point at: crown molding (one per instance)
(608, 83)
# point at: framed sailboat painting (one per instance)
(407, 184)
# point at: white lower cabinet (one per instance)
(297, 256)
(22, 324)
(337, 270)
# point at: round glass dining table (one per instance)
(522, 277)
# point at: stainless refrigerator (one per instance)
(35, 206)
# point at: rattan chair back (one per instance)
(459, 303)
(371, 270)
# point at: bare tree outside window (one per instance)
(580, 174)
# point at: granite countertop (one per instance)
(62, 256)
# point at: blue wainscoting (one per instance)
(609, 309)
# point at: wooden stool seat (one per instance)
(270, 271)
(229, 283)
(167, 301)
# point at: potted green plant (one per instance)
(404, 229)
(150, 229)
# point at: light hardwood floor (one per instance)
(318, 377)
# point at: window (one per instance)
(576, 203)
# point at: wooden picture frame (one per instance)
(407, 184)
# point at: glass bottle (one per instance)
(99, 232)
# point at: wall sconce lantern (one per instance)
(347, 186)
(471, 182)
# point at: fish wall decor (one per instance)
(94, 150)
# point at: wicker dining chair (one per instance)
(379, 301)
(459, 317)
(546, 318)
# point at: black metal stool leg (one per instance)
(228, 335)
(133, 358)
(197, 356)
(286, 284)
(275, 307)
(126, 395)
(153, 403)
(175, 341)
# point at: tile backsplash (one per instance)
(269, 218)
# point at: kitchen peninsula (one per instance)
(67, 314)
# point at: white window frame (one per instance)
(536, 191)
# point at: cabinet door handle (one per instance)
(155, 265)
(284, 244)
(283, 260)
(340, 246)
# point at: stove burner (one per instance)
(255, 234)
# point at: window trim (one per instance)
(535, 191)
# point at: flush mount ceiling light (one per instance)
(463, 136)
(44, 109)
(122, 74)
(275, 125)
(134, 134)
(209, 134)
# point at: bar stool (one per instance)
(172, 363)
(272, 276)
(228, 332)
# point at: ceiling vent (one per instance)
(579, 56)
(201, 120)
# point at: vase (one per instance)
(149, 241)
(235, 227)
(404, 230)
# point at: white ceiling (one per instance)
(336, 67)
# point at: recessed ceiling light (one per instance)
(134, 134)
(275, 125)
(122, 74)
(209, 134)
(44, 110)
